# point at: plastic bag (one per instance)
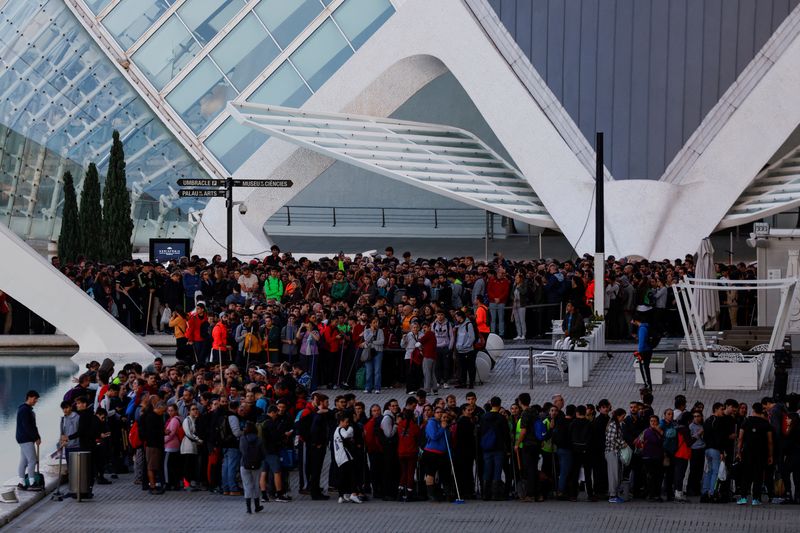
(723, 472)
(625, 455)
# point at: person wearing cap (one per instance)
(644, 352)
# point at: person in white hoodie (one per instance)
(343, 455)
(189, 448)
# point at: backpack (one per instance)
(133, 436)
(670, 440)
(638, 443)
(224, 431)
(252, 343)
(489, 439)
(371, 438)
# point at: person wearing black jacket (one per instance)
(317, 446)
(560, 434)
(152, 433)
(494, 441)
(273, 432)
(597, 449)
(27, 435)
(580, 436)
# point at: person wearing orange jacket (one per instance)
(219, 339)
(482, 321)
(197, 332)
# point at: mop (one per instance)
(458, 501)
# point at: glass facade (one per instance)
(60, 100)
(61, 96)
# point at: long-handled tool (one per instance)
(57, 496)
(453, 470)
(341, 357)
(147, 316)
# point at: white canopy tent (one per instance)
(725, 367)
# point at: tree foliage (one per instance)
(90, 215)
(69, 240)
(117, 222)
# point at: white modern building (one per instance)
(411, 117)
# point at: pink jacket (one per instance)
(171, 441)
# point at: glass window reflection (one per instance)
(166, 52)
(359, 19)
(285, 19)
(232, 144)
(321, 55)
(205, 18)
(96, 5)
(130, 19)
(201, 95)
(284, 87)
(245, 52)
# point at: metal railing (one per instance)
(384, 217)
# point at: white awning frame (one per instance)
(445, 160)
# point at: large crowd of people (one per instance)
(261, 345)
(260, 434)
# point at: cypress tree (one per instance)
(69, 239)
(117, 222)
(90, 216)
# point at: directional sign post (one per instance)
(224, 189)
(201, 193)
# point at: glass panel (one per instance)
(359, 19)
(245, 52)
(206, 17)
(321, 55)
(284, 88)
(166, 52)
(96, 5)
(131, 18)
(201, 95)
(233, 143)
(285, 19)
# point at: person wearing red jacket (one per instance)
(333, 342)
(428, 349)
(498, 289)
(408, 448)
(372, 441)
(197, 332)
(219, 339)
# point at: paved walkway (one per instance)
(129, 509)
(123, 507)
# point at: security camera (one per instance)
(242, 209)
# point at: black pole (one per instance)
(229, 207)
(599, 224)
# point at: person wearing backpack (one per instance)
(493, 441)
(670, 429)
(529, 446)
(407, 449)
(344, 455)
(252, 457)
(560, 434)
(389, 441)
(465, 340)
(714, 447)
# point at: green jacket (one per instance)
(273, 288)
(340, 290)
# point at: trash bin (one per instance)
(80, 474)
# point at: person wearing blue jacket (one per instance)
(434, 454)
(27, 437)
(644, 351)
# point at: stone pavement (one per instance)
(124, 507)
